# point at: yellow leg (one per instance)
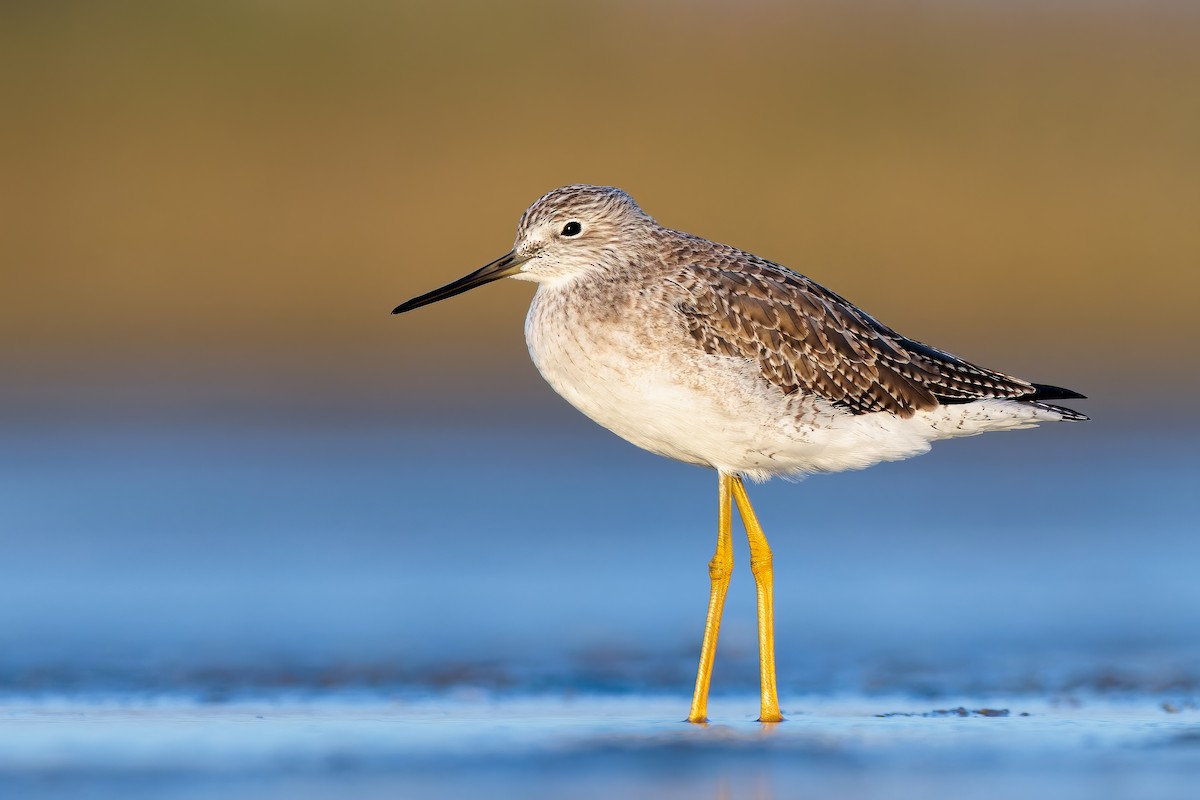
(764, 580)
(719, 570)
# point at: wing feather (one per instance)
(806, 338)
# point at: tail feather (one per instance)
(1041, 392)
(1068, 414)
(1044, 391)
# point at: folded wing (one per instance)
(806, 338)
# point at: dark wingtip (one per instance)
(1044, 391)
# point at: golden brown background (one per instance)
(210, 207)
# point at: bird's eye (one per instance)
(572, 228)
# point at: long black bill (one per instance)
(500, 268)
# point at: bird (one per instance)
(709, 355)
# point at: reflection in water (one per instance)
(759, 788)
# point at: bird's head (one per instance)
(565, 233)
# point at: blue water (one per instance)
(472, 571)
(589, 746)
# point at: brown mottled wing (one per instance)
(805, 337)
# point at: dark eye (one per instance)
(572, 228)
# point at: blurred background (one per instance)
(225, 465)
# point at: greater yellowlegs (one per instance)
(709, 355)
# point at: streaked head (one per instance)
(567, 232)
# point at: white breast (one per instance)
(641, 381)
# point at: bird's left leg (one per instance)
(719, 571)
(764, 579)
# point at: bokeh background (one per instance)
(225, 466)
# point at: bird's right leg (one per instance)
(764, 581)
(719, 570)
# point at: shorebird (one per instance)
(709, 355)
